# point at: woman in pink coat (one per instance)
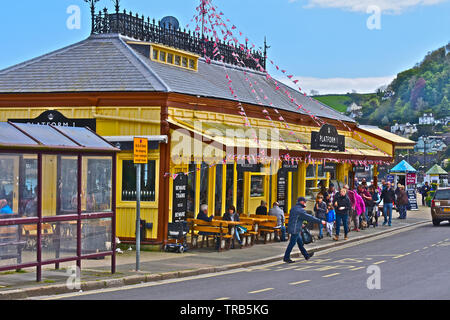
(360, 207)
(353, 216)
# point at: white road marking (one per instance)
(299, 282)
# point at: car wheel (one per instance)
(436, 223)
(181, 249)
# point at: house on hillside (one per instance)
(354, 111)
(404, 129)
(432, 145)
(427, 118)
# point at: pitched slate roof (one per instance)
(106, 63)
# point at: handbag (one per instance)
(241, 229)
(306, 236)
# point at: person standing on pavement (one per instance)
(331, 218)
(424, 192)
(373, 206)
(388, 197)
(296, 217)
(276, 211)
(320, 208)
(342, 207)
(352, 214)
(367, 198)
(402, 201)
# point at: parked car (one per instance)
(440, 206)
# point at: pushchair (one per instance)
(177, 240)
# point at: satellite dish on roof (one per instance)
(170, 22)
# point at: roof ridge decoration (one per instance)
(144, 29)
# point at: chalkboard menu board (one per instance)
(412, 197)
(179, 204)
(281, 189)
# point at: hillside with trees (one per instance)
(421, 89)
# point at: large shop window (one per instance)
(240, 192)
(218, 197)
(148, 179)
(18, 186)
(230, 186)
(311, 171)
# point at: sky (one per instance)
(330, 46)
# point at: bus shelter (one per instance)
(57, 196)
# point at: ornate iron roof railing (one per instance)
(134, 26)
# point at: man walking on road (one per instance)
(296, 217)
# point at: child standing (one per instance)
(331, 218)
(321, 212)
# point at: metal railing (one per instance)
(137, 27)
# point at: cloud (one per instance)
(340, 85)
(386, 6)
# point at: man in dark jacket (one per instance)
(342, 207)
(424, 192)
(296, 217)
(388, 197)
(402, 202)
(262, 209)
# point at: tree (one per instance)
(417, 91)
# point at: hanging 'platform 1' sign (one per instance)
(57, 119)
(327, 139)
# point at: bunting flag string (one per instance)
(221, 23)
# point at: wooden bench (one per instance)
(248, 237)
(29, 233)
(10, 238)
(215, 229)
(267, 229)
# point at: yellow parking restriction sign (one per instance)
(140, 150)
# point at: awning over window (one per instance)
(397, 141)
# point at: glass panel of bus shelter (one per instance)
(218, 191)
(59, 185)
(230, 186)
(96, 235)
(18, 244)
(191, 191)
(46, 134)
(59, 240)
(85, 137)
(12, 136)
(18, 186)
(97, 181)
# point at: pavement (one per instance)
(161, 266)
(409, 265)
